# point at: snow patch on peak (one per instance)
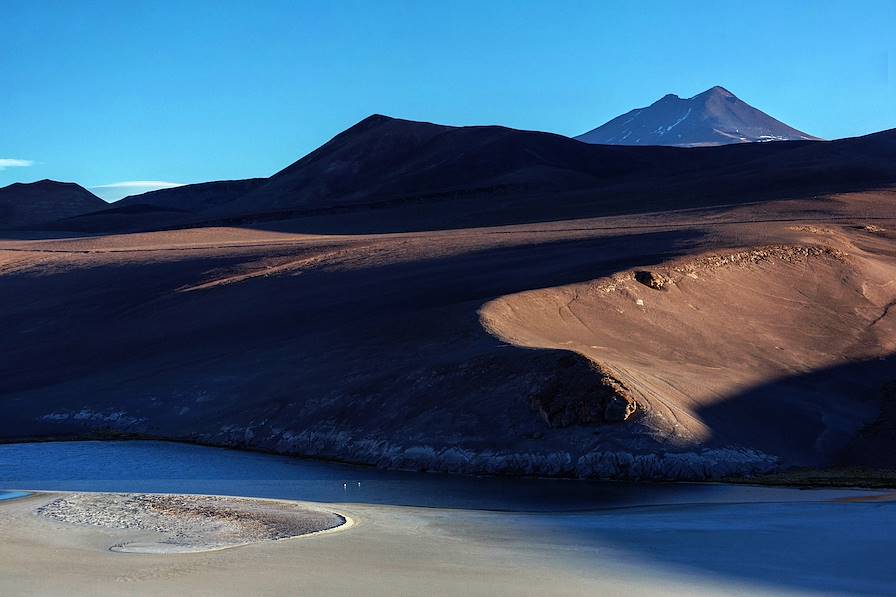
(679, 121)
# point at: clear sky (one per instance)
(108, 92)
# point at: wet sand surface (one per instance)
(760, 548)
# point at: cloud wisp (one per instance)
(14, 163)
(124, 188)
(140, 184)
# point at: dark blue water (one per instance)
(162, 467)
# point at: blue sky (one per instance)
(102, 93)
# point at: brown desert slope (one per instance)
(686, 337)
(512, 350)
(38, 203)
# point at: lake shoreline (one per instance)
(152, 517)
(839, 478)
(391, 550)
(824, 478)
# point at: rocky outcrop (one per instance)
(640, 460)
(582, 393)
(619, 409)
(650, 279)
(705, 464)
(691, 465)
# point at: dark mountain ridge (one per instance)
(501, 175)
(44, 201)
(384, 157)
(392, 174)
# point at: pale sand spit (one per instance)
(189, 523)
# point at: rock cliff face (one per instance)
(580, 393)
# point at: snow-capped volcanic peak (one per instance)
(714, 117)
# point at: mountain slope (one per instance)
(714, 117)
(388, 159)
(490, 175)
(386, 175)
(36, 203)
(193, 197)
(759, 343)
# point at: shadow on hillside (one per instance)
(843, 415)
(121, 326)
(126, 315)
(454, 213)
(813, 418)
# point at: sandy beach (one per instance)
(391, 550)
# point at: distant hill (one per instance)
(714, 117)
(387, 162)
(386, 174)
(482, 175)
(174, 207)
(36, 203)
(383, 159)
(193, 197)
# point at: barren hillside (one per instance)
(768, 344)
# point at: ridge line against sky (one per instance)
(158, 91)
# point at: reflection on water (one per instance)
(164, 467)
